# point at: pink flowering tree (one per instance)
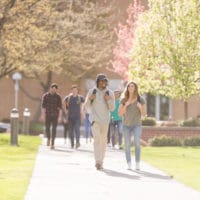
(125, 35)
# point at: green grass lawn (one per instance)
(16, 165)
(183, 163)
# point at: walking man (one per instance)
(51, 111)
(73, 104)
(100, 101)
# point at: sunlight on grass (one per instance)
(16, 165)
(183, 163)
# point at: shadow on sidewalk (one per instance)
(152, 175)
(61, 149)
(119, 174)
(85, 150)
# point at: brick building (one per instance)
(160, 107)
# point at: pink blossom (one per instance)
(125, 34)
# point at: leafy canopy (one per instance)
(63, 36)
(165, 57)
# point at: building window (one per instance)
(150, 105)
(158, 107)
(164, 108)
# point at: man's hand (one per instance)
(127, 103)
(107, 97)
(92, 97)
(59, 120)
(139, 105)
(42, 116)
(65, 121)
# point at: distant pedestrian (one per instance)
(73, 104)
(132, 107)
(116, 122)
(100, 101)
(88, 131)
(51, 112)
(65, 124)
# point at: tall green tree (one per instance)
(5, 67)
(42, 37)
(166, 50)
(72, 37)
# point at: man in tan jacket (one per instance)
(99, 102)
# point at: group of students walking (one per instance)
(106, 111)
(68, 112)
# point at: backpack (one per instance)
(69, 98)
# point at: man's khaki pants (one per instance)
(100, 141)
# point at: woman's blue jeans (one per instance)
(128, 131)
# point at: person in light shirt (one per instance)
(99, 102)
(132, 107)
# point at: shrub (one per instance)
(192, 141)
(36, 128)
(165, 141)
(5, 120)
(170, 123)
(3, 130)
(148, 121)
(191, 122)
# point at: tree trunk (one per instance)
(45, 84)
(37, 113)
(185, 110)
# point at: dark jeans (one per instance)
(116, 126)
(65, 126)
(74, 127)
(51, 120)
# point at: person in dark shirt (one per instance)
(51, 112)
(73, 104)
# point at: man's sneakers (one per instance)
(48, 142)
(98, 166)
(77, 145)
(120, 148)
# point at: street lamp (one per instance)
(16, 77)
(26, 122)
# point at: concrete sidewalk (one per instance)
(65, 173)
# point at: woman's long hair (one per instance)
(125, 95)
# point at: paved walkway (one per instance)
(64, 174)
